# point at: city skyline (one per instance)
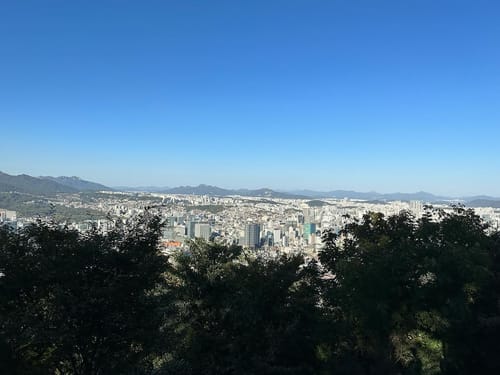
(386, 97)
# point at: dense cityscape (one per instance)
(267, 224)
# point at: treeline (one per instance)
(389, 295)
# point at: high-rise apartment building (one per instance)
(202, 230)
(252, 236)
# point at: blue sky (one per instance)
(399, 95)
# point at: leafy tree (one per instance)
(80, 304)
(242, 314)
(409, 289)
(390, 295)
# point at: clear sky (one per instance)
(399, 95)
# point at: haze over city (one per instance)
(386, 96)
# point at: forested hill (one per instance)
(46, 185)
(77, 183)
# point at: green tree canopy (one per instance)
(237, 313)
(411, 290)
(75, 303)
(388, 295)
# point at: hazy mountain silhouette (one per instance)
(217, 191)
(50, 185)
(374, 196)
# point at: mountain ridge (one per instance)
(46, 185)
(77, 183)
(24, 183)
(372, 195)
(203, 189)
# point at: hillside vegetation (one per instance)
(389, 295)
(46, 185)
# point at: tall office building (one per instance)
(202, 230)
(309, 228)
(276, 236)
(190, 225)
(252, 236)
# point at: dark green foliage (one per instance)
(79, 304)
(391, 295)
(240, 314)
(317, 203)
(411, 290)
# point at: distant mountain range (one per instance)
(477, 201)
(46, 185)
(221, 192)
(214, 191)
(372, 195)
(471, 201)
